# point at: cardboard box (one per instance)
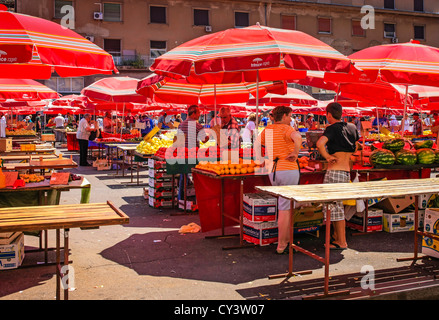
(190, 205)
(160, 203)
(160, 194)
(374, 220)
(395, 205)
(306, 217)
(160, 183)
(430, 245)
(260, 233)
(5, 144)
(399, 222)
(48, 137)
(259, 207)
(159, 174)
(8, 237)
(12, 254)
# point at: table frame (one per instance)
(327, 193)
(62, 222)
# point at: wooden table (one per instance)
(26, 158)
(22, 152)
(93, 215)
(328, 193)
(43, 166)
(129, 149)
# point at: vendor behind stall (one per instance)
(381, 120)
(336, 145)
(282, 145)
(417, 125)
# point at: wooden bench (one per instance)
(84, 216)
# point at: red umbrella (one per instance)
(408, 63)
(34, 48)
(114, 89)
(293, 96)
(25, 90)
(277, 54)
(161, 89)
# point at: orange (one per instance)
(226, 171)
(250, 169)
(243, 170)
(238, 166)
(232, 171)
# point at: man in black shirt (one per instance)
(336, 145)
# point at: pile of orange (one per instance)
(303, 162)
(244, 167)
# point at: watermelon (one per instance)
(423, 144)
(406, 157)
(436, 158)
(394, 144)
(382, 157)
(426, 156)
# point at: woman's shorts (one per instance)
(285, 178)
(336, 208)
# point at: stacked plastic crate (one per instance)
(160, 189)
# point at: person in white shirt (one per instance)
(250, 129)
(394, 124)
(2, 125)
(82, 135)
(293, 123)
(59, 124)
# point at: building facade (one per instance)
(135, 32)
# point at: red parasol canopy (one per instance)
(239, 53)
(34, 48)
(115, 89)
(25, 90)
(161, 89)
(293, 96)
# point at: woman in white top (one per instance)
(250, 129)
(2, 125)
(394, 124)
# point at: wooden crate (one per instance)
(5, 144)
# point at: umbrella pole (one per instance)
(338, 92)
(405, 111)
(214, 105)
(121, 123)
(257, 98)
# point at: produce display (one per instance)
(153, 145)
(244, 167)
(399, 152)
(20, 132)
(27, 178)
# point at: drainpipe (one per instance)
(265, 8)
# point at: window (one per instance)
(242, 19)
(58, 5)
(418, 5)
(419, 32)
(389, 30)
(157, 14)
(66, 85)
(324, 25)
(157, 48)
(357, 29)
(112, 12)
(113, 47)
(288, 22)
(201, 17)
(389, 4)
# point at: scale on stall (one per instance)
(311, 140)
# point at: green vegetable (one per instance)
(394, 144)
(426, 156)
(406, 157)
(382, 157)
(423, 144)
